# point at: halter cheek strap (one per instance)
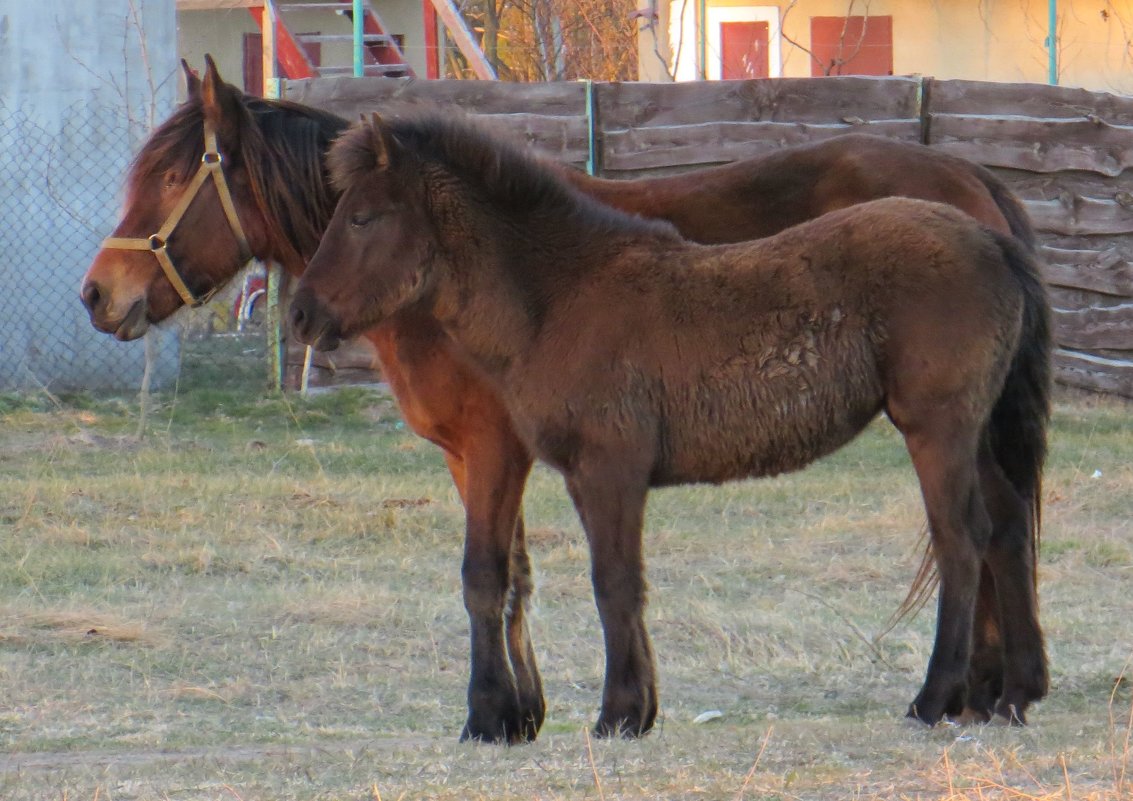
(212, 164)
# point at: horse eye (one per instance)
(361, 219)
(169, 180)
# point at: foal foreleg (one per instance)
(612, 511)
(505, 702)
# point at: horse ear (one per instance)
(383, 141)
(192, 82)
(220, 102)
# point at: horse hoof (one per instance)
(622, 727)
(501, 732)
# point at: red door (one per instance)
(744, 50)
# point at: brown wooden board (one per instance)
(1035, 145)
(794, 100)
(348, 97)
(1107, 270)
(1055, 185)
(552, 117)
(1096, 373)
(1037, 101)
(1075, 215)
(710, 143)
(1087, 320)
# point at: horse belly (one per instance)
(722, 431)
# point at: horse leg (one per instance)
(944, 458)
(1010, 558)
(612, 510)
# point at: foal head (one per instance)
(207, 192)
(377, 255)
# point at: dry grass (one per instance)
(261, 600)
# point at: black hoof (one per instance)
(512, 729)
(624, 727)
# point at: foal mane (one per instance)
(509, 175)
(281, 146)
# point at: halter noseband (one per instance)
(211, 164)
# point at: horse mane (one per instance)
(281, 146)
(507, 174)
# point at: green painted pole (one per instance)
(1052, 42)
(274, 316)
(359, 65)
(591, 155)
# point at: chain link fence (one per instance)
(61, 187)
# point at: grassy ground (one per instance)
(260, 600)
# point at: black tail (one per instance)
(1020, 418)
(1010, 207)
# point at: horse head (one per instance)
(191, 218)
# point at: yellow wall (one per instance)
(989, 40)
(221, 33)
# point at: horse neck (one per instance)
(288, 196)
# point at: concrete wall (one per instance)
(78, 96)
(981, 40)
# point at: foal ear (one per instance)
(383, 142)
(192, 82)
(220, 102)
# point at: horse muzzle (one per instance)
(125, 327)
(312, 324)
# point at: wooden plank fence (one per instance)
(1067, 153)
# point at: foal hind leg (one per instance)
(943, 453)
(1011, 559)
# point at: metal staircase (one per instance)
(382, 56)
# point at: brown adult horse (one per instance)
(629, 358)
(273, 160)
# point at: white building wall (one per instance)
(80, 83)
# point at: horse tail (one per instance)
(1017, 429)
(1010, 207)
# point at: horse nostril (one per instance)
(91, 296)
(298, 317)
